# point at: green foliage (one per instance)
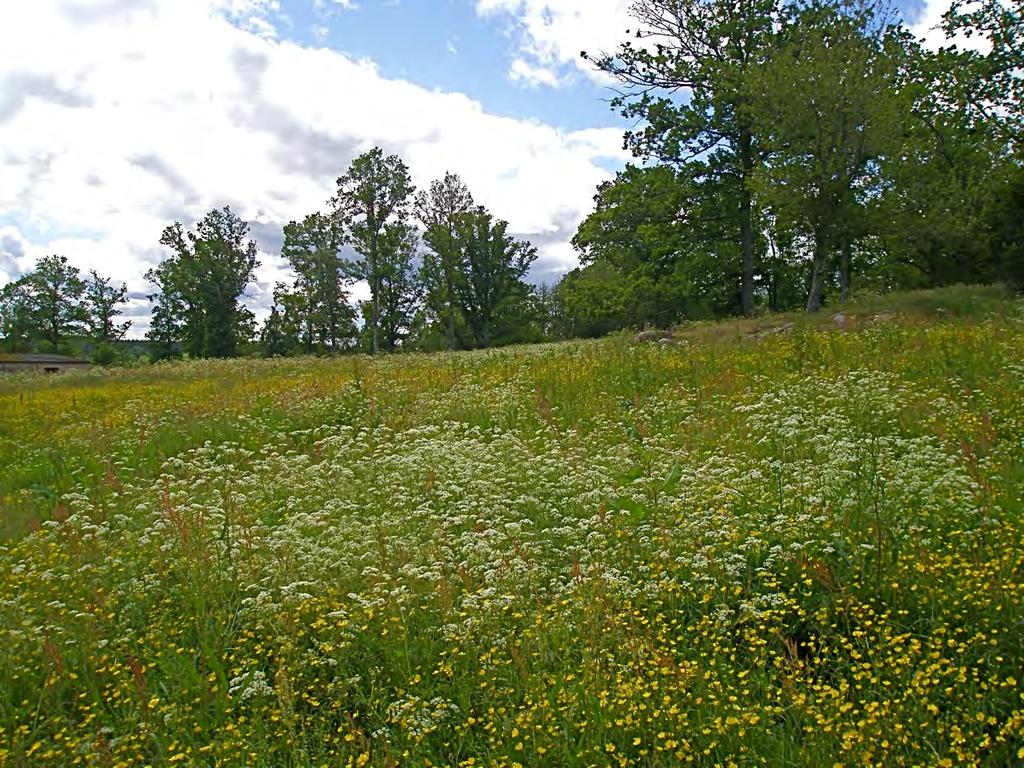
(830, 109)
(54, 298)
(797, 151)
(101, 300)
(998, 74)
(374, 193)
(491, 266)
(313, 250)
(399, 290)
(198, 287)
(665, 258)
(711, 50)
(17, 325)
(438, 210)
(104, 354)
(52, 305)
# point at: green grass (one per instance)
(802, 550)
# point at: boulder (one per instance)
(653, 334)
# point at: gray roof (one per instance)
(20, 357)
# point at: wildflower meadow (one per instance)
(788, 549)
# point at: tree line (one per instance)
(441, 271)
(790, 152)
(53, 305)
(787, 154)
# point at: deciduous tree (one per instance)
(491, 266)
(438, 210)
(688, 79)
(199, 286)
(102, 300)
(374, 193)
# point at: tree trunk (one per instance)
(374, 316)
(746, 226)
(486, 333)
(451, 326)
(374, 294)
(844, 271)
(817, 271)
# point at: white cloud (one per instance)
(927, 27)
(324, 6)
(550, 34)
(117, 118)
(524, 73)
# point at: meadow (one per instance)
(799, 549)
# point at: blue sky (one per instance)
(118, 117)
(447, 44)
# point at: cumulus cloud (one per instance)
(128, 115)
(525, 73)
(550, 34)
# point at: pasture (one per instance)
(797, 550)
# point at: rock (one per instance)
(653, 334)
(839, 319)
(784, 328)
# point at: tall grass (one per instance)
(798, 550)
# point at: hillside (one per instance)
(776, 541)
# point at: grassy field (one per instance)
(797, 550)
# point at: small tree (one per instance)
(491, 266)
(16, 321)
(199, 286)
(55, 290)
(101, 301)
(438, 210)
(313, 249)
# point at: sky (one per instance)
(118, 117)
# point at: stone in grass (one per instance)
(784, 328)
(653, 334)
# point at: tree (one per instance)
(313, 249)
(997, 89)
(935, 215)
(662, 233)
(490, 269)
(272, 337)
(16, 321)
(374, 193)
(830, 109)
(438, 210)
(101, 300)
(284, 327)
(398, 285)
(55, 292)
(688, 80)
(199, 286)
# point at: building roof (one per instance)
(36, 359)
